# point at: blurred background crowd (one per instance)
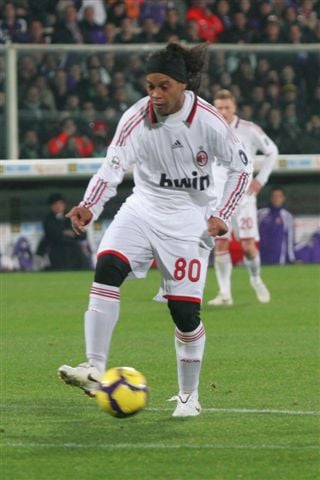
(69, 103)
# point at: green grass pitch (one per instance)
(259, 384)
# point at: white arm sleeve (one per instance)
(270, 151)
(231, 154)
(103, 185)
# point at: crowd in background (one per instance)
(69, 104)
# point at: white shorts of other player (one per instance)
(244, 222)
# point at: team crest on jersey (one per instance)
(115, 162)
(202, 157)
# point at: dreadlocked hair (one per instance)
(195, 59)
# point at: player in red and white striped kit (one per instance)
(245, 220)
(171, 139)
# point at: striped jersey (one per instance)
(172, 159)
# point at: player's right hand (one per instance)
(80, 217)
(216, 226)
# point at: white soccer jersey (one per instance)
(172, 161)
(254, 140)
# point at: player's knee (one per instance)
(249, 248)
(186, 315)
(221, 246)
(111, 270)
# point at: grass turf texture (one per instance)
(261, 363)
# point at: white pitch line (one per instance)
(249, 410)
(158, 446)
(256, 411)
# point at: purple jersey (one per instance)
(276, 229)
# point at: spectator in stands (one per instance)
(36, 33)
(276, 229)
(74, 77)
(12, 29)
(94, 61)
(263, 14)
(272, 33)
(275, 129)
(244, 76)
(155, 9)
(171, 27)
(310, 139)
(289, 16)
(72, 106)
(88, 117)
(272, 93)
(99, 11)
(210, 26)
(223, 11)
(119, 81)
(68, 29)
(127, 33)
(192, 33)
(116, 12)
(69, 143)
(30, 148)
(27, 71)
(149, 31)
(33, 112)
(239, 32)
(60, 88)
(100, 138)
(91, 31)
(110, 32)
(45, 92)
(102, 99)
(64, 246)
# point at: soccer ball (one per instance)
(122, 392)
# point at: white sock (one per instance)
(254, 267)
(189, 351)
(223, 269)
(100, 320)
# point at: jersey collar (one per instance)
(190, 116)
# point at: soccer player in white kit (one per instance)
(245, 220)
(170, 138)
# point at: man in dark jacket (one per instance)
(63, 245)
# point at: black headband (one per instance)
(174, 67)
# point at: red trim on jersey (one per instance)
(235, 196)
(189, 119)
(182, 298)
(115, 253)
(151, 113)
(193, 110)
(130, 124)
(95, 194)
(126, 135)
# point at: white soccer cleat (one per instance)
(263, 294)
(84, 376)
(221, 300)
(187, 405)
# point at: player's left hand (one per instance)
(254, 187)
(216, 226)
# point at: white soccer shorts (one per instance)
(183, 264)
